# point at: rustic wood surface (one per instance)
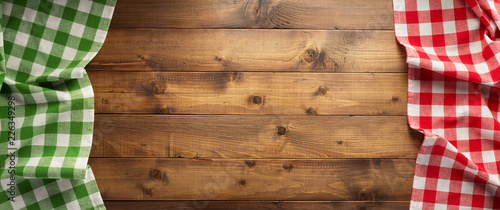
(252, 104)
(250, 50)
(254, 179)
(250, 93)
(297, 14)
(243, 136)
(288, 205)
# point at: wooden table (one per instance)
(252, 104)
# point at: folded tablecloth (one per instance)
(47, 102)
(454, 99)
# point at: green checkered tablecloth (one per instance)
(47, 102)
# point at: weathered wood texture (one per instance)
(309, 118)
(250, 93)
(251, 205)
(250, 50)
(209, 136)
(297, 14)
(254, 179)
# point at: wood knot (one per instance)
(310, 55)
(256, 100)
(234, 76)
(242, 182)
(225, 61)
(288, 167)
(104, 100)
(315, 59)
(155, 174)
(168, 110)
(282, 130)
(250, 163)
(395, 99)
(364, 196)
(148, 191)
(256, 10)
(340, 142)
(362, 208)
(311, 111)
(157, 88)
(321, 91)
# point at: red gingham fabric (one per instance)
(453, 98)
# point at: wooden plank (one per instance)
(212, 136)
(305, 205)
(254, 179)
(250, 50)
(312, 14)
(250, 93)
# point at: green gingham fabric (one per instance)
(55, 194)
(47, 102)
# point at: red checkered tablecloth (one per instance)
(454, 99)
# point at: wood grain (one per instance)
(250, 50)
(249, 93)
(296, 14)
(254, 179)
(203, 104)
(215, 136)
(249, 205)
